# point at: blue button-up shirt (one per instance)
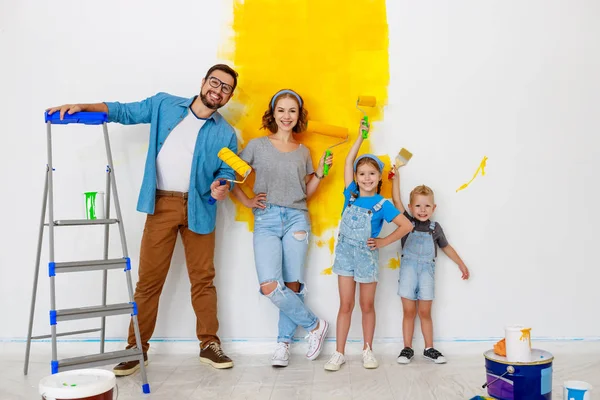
(163, 112)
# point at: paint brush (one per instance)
(403, 157)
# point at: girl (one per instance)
(356, 253)
(285, 178)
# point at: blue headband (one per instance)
(288, 92)
(371, 156)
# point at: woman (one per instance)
(284, 180)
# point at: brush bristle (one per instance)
(407, 155)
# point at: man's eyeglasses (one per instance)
(216, 82)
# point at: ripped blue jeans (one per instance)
(280, 247)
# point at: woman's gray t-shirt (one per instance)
(280, 175)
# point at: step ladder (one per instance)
(54, 268)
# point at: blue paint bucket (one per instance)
(519, 380)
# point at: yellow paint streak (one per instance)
(481, 169)
(327, 271)
(330, 52)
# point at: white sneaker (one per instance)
(316, 340)
(335, 362)
(369, 360)
(281, 356)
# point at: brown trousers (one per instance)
(158, 242)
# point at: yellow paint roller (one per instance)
(365, 101)
(331, 131)
(236, 163)
(240, 166)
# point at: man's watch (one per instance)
(319, 177)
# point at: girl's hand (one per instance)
(323, 161)
(375, 243)
(363, 126)
(465, 272)
(257, 201)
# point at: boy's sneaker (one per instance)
(316, 339)
(406, 356)
(281, 356)
(214, 356)
(434, 355)
(335, 362)
(369, 360)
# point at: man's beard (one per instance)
(204, 99)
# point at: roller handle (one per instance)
(212, 200)
(326, 167)
(365, 133)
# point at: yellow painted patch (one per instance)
(394, 263)
(330, 52)
(327, 271)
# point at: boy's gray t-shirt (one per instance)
(280, 175)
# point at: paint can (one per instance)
(518, 343)
(577, 390)
(531, 380)
(94, 205)
(82, 384)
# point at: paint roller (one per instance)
(236, 163)
(365, 101)
(331, 131)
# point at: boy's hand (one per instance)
(465, 272)
(257, 201)
(218, 191)
(375, 243)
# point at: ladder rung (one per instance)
(72, 222)
(97, 360)
(67, 333)
(68, 314)
(90, 265)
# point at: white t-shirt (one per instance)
(174, 160)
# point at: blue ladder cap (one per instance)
(127, 264)
(135, 310)
(52, 268)
(54, 366)
(146, 388)
(52, 317)
(83, 117)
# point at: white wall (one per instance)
(515, 81)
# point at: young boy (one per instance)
(417, 268)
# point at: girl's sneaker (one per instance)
(406, 356)
(369, 360)
(434, 355)
(316, 339)
(281, 356)
(335, 362)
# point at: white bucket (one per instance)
(577, 390)
(518, 343)
(94, 205)
(88, 384)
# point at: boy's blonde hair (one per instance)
(421, 190)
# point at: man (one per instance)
(182, 172)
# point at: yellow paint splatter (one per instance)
(526, 335)
(328, 51)
(327, 271)
(481, 168)
(394, 263)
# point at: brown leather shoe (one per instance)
(213, 355)
(127, 368)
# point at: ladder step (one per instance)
(69, 314)
(72, 222)
(67, 333)
(90, 265)
(96, 360)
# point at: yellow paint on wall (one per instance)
(327, 271)
(328, 51)
(394, 263)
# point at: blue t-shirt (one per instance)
(387, 212)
